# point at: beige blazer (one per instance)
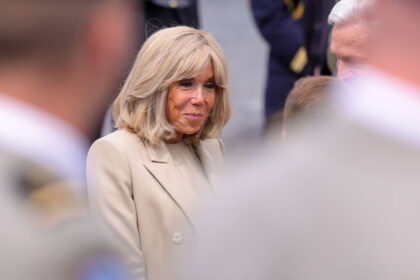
(137, 189)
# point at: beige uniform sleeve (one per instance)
(110, 197)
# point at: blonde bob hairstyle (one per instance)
(170, 55)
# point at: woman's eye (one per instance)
(210, 85)
(185, 83)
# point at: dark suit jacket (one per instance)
(316, 31)
(166, 13)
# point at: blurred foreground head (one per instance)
(64, 56)
(352, 25)
(393, 47)
(306, 99)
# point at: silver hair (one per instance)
(347, 10)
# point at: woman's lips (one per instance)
(194, 116)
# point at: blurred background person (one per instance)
(280, 24)
(147, 178)
(297, 33)
(346, 205)
(168, 13)
(58, 62)
(316, 34)
(351, 29)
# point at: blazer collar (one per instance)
(163, 168)
(211, 159)
(161, 154)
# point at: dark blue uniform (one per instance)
(279, 21)
(168, 13)
(317, 30)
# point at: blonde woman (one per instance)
(147, 178)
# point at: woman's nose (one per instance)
(197, 96)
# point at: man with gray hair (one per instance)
(351, 28)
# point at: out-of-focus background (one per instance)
(232, 25)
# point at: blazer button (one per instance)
(177, 238)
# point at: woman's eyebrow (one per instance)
(187, 79)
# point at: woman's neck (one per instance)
(178, 138)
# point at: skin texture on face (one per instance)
(348, 44)
(190, 102)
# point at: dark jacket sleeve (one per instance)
(280, 30)
(316, 29)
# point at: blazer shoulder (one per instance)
(121, 141)
(119, 137)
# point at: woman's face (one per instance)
(190, 102)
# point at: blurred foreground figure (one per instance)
(58, 60)
(345, 204)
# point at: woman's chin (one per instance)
(191, 131)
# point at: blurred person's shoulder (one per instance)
(39, 190)
(119, 136)
(24, 176)
(333, 170)
(35, 198)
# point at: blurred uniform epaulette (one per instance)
(300, 60)
(47, 232)
(296, 8)
(49, 197)
(174, 4)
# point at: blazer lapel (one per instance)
(163, 168)
(212, 160)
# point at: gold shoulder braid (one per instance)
(299, 61)
(296, 10)
(49, 197)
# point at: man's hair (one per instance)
(347, 10)
(306, 98)
(171, 55)
(47, 28)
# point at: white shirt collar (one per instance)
(40, 137)
(383, 103)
